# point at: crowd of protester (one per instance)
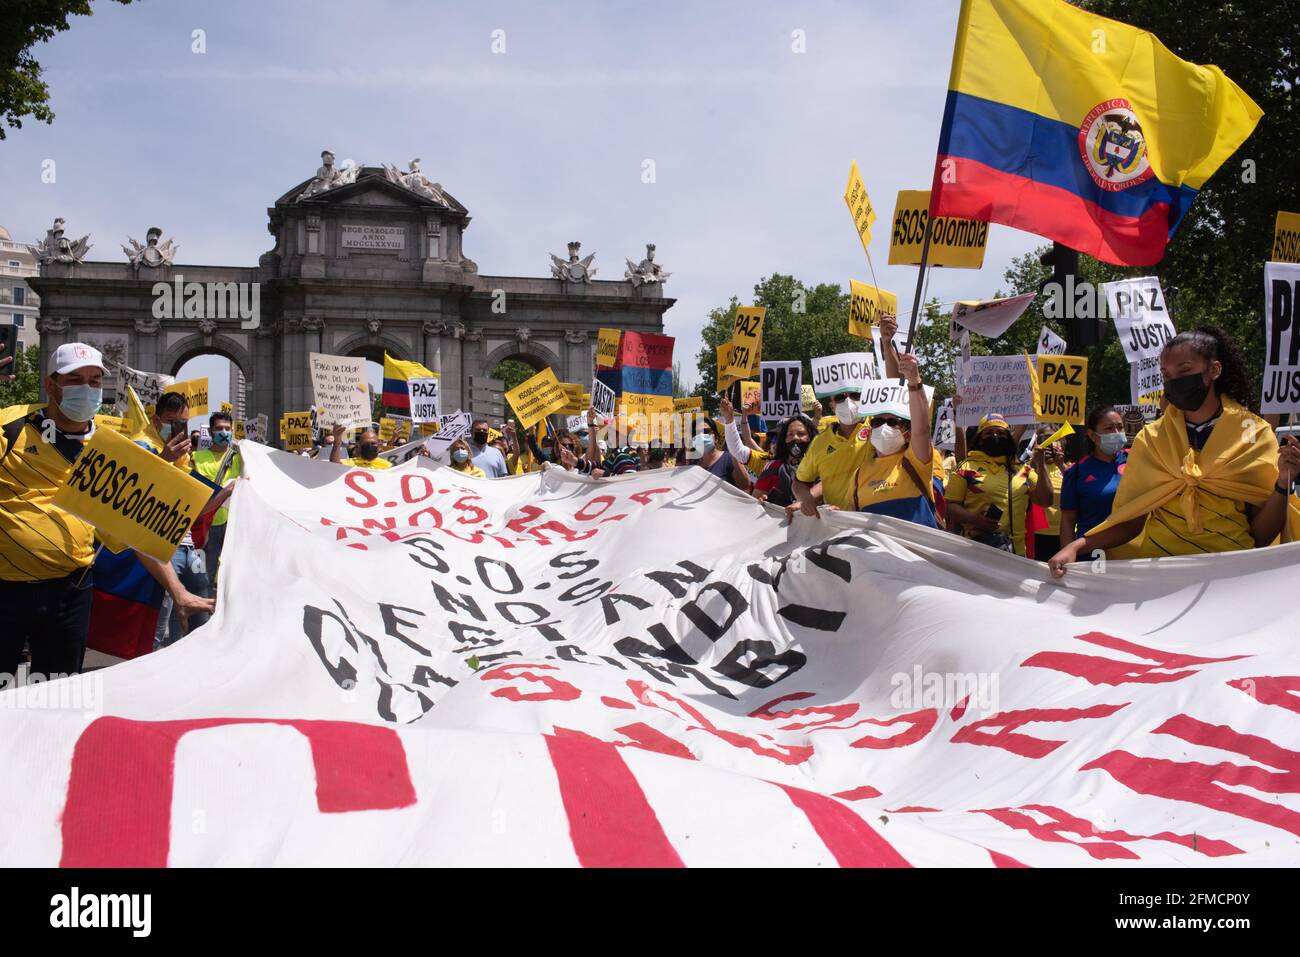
(1209, 474)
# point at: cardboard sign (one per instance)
(450, 428)
(227, 408)
(867, 304)
(133, 497)
(297, 440)
(1282, 338)
(877, 344)
(1146, 382)
(195, 392)
(1049, 343)
(841, 373)
(341, 391)
(424, 399)
(991, 317)
(957, 243)
(240, 430)
(1286, 238)
(536, 398)
(860, 208)
(781, 383)
(603, 399)
(995, 385)
(607, 342)
(575, 423)
(1137, 307)
(690, 402)
(945, 427)
(1062, 388)
(256, 429)
(205, 437)
(888, 397)
(115, 422)
(637, 403)
(747, 341)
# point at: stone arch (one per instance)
(533, 353)
(199, 345)
(374, 347)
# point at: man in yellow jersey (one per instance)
(207, 462)
(45, 552)
(367, 456)
(811, 486)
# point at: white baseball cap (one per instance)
(75, 355)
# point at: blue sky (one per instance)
(544, 144)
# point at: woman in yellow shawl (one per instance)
(1205, 476)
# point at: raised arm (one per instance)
(918, 406)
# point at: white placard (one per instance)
(780, 383)
(340, 389)
(148, 387)
(945, 427)
(1049, 343)
(841, 373)
(1281, 391)
(602, 399)
(888, 397)
(450, 428)
(995, 385)
(372, 237)
(1146, 380)
(1137, 307)
(424, 400)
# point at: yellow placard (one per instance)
(536, 398)
(1061, 388)
(866, 305)
(607, 341)
(227, 408)
(631, 404)
(428, 428)
(295, 420)
(957, 243)
(1286, 238)
(690, 402)
(195, 392)
(114, 422)
(859, 203)
(751, 397)
(742, 355)
(296, 440)
(240, 431)
(725, 378)
(132, 496)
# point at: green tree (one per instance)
(25, 388)
(23, 24)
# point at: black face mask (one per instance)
(795, 450)
(480, 438)
(998, 446)
(368, 451)
(1187, 392)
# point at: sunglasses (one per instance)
(880, 420)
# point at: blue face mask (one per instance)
(221, 438)
(81, 402)
(459, 455)
(1112, 443)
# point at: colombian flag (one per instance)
(396, 372)
(1081, 129)
(646, 372)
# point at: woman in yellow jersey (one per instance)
(461, 461)
(1206, 475)
(893, 472)
(988, 495)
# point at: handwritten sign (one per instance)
(340, 387)
(995, 385)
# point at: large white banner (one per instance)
(414, 667)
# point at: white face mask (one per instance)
(887, 440)
(846, 410)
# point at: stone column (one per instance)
(265, 387)
(577, 356)
(434, 330)
(146, 346)
(302, 337)
(54, 333)
(454, 385)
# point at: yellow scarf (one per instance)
(1238, 462)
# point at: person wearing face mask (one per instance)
(775, 483)
(1048, 462)
(462, 460)
(716, 460)
(988, 495)
(1088, 487)
(485, 455)
(46, 554)
(892, 473)
(811, 486)
(207, 463)
(367, 450)
(1204, 477)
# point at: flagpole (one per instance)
(920, 280)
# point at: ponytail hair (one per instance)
(1095, 416)
(1211, 342)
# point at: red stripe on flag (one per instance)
(980, 192)
(120, 626)
(852, 841)
(610, 821)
